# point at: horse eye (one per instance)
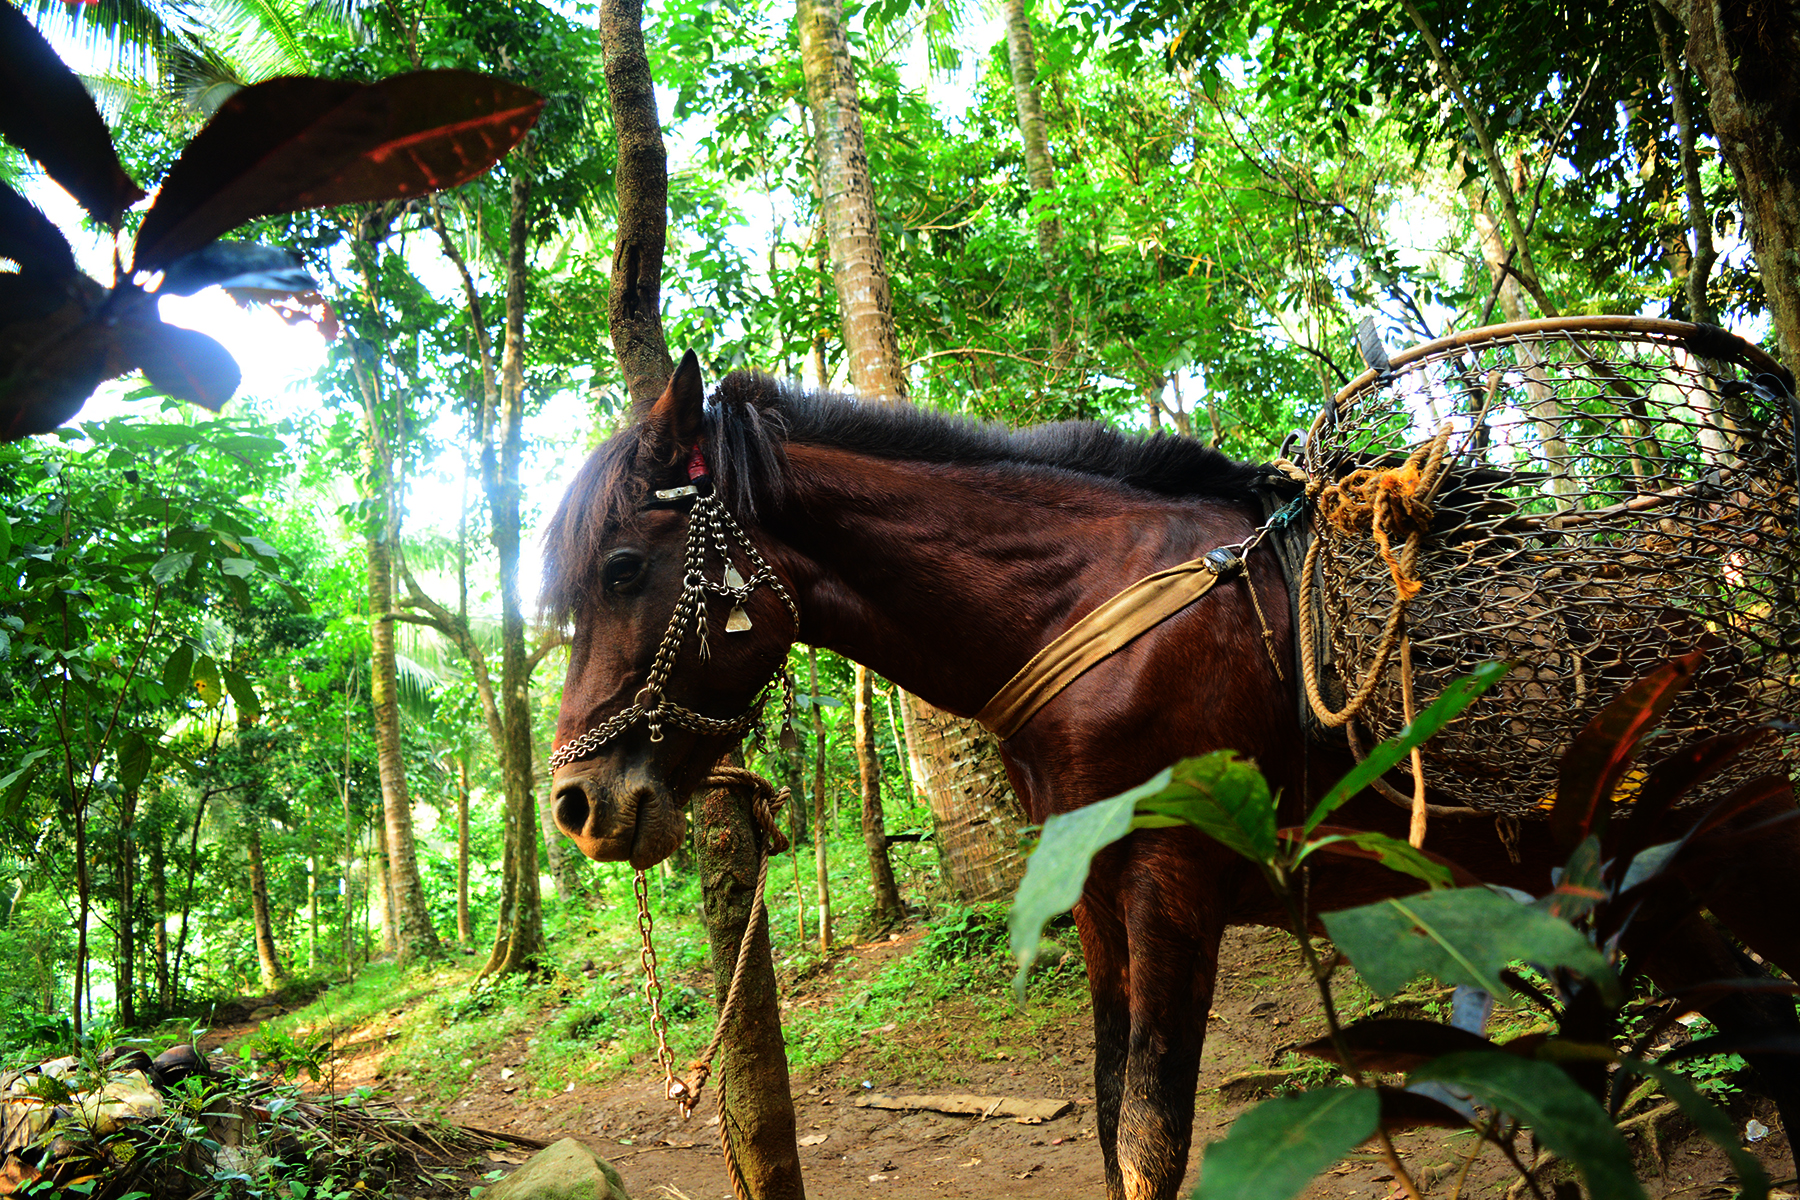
(623, 572)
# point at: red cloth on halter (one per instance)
(696, 465)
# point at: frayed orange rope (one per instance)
(1389, 506)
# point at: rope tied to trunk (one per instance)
(765, 802)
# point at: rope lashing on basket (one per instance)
(1392, 505)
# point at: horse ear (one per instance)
(675, 416)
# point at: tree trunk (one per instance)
(519, 943)
(851, 220)
(887, 910)
(1546, 410)
(410, 918)
(463, 933)
(755, 1106)
(849, 201)
(267, 962)
(187, 897)
(757, 1116)
(159, 911)
(312, 912)
(976, 815)
(383, 893)
(634, 303)
(821, 855)
(563, 865)
(1747, 53)
(1040, 168)
(123, 970)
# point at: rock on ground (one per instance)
(567, 1170)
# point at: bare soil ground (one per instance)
(1263, 1007)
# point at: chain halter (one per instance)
(710, 527)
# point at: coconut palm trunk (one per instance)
(410, 920)
(876, 371)
(756, 1107)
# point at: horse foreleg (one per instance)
(1151, 966)
(1109, 985)
(1172, 941)
(1172, 986)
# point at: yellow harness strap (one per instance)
(1130, 614)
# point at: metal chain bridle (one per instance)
(710, 527)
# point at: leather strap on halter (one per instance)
(1127, 616)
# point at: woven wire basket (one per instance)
(1616, 491)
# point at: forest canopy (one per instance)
(273, 696)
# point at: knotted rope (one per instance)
(1392, 505)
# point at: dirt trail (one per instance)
(1263, 1006)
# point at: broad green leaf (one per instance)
(25, 764)
(1455, 698)
(170, 565)
(178, 669)
(134, 760)
(260, 549)
(242, 694)
(242, 568)
(1276, 1148)
(5, 537)
(1461, 936)
(1223, 797)
(1058, 868)
(206, 680)
(1563, 1118)
(1392, 853)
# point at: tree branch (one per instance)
(552, 640)
(1509, 206)
(1699, 221)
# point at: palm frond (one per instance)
(114, 94)
(266, 37)
(428, 650)
(415, 688)
(126, 34)
(200, 78)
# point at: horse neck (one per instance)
(946, 579)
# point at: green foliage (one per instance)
(1467, 936)
(1276, 1148)
(1565, 1118)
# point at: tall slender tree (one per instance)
(865, 302)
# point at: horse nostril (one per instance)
(572, 808)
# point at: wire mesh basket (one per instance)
(1585, 497)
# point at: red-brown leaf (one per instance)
(46, 112)
(1603, 750)
(1396, 1044)
(296, 143)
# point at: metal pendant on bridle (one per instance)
(710, 526)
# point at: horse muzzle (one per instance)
(618, 815)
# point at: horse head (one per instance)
(681, 627)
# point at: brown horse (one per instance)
(943, 554)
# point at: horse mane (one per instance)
(751, 418)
